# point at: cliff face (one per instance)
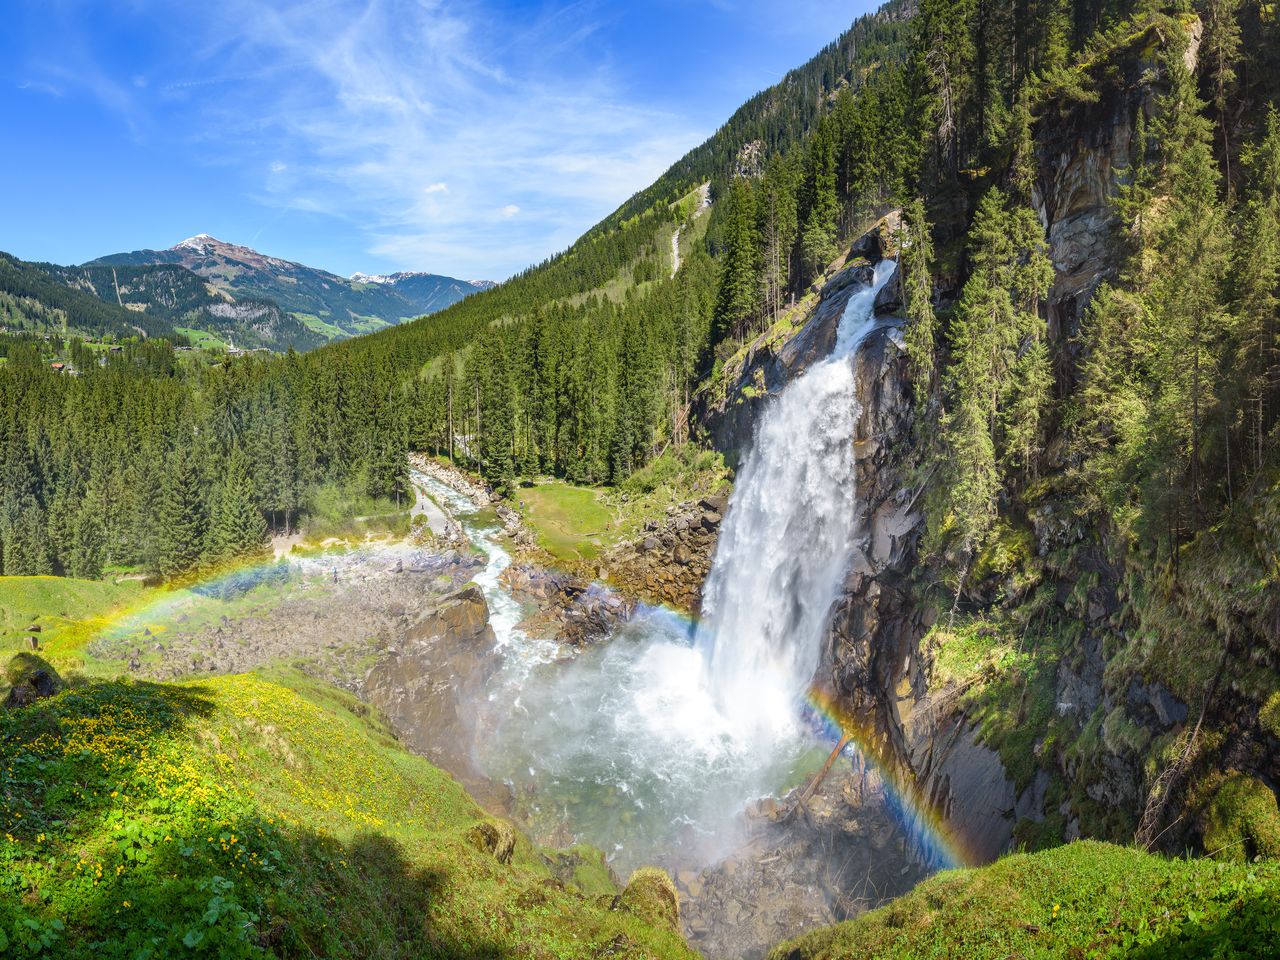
(874, 658)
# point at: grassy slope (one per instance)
(570, 522)
(121, 801)
(1085, 899)
(68, 612)
(236, 816)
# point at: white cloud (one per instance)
(279, 166)
(368, 95)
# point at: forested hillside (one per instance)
(1088, 301)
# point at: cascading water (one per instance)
(650, 745)
(786, 541)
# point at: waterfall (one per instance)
(786, 541)
(650, 745)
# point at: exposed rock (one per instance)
(495, 837)
(967, 782)
(768, 364)
(577, 611)
(30, 679)
(841, 855)
(424, 686)
(670, 564)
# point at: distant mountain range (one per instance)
(216, 292)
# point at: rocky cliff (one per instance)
(876, 660)
(669, 563)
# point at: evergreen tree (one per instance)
(915, 262)
(997, 384)
(738, 300)
(181, 520)
(236, 526)
(820, 206)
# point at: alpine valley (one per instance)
(863, 543)
(214, 294)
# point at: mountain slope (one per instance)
(32, 300)
(168, 298)
(243, 817)
(625, 248)
(331, 306)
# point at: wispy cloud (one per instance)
(407, 121)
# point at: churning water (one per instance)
(651, 744)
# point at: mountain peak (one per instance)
(199, 241)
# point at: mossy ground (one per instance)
(575, 524)
(238, 816)
(69, 613)
(1085, 899)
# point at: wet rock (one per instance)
(30, 679)
(425, 685)
(889, 298)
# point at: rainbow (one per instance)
(934, 841)
(929, 833)
(160, 607)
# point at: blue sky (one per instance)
(465, 138)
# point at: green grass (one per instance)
(240, 817)
(569, 522)
(576, 524)
(322, 327)
(69, 612)
(1086, 899)
(346, 512)
(202, 339)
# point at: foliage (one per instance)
(226, 818)
(1082, 899)
(1239, 819)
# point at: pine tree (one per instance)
(916, 265)
(739, 297)
(181, 518)
(820, 206)
(997, 385)
(1221, 51)
(236, 526)
(89, 535)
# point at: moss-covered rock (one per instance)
(651, 895)
(1269, 715)
(495, 837)
(1240, 819)
(1081, 899)
(30, 678)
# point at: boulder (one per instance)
(651, 894)
(495, 837)
(30, 678)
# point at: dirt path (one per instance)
(704, 193)
(424, 506)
